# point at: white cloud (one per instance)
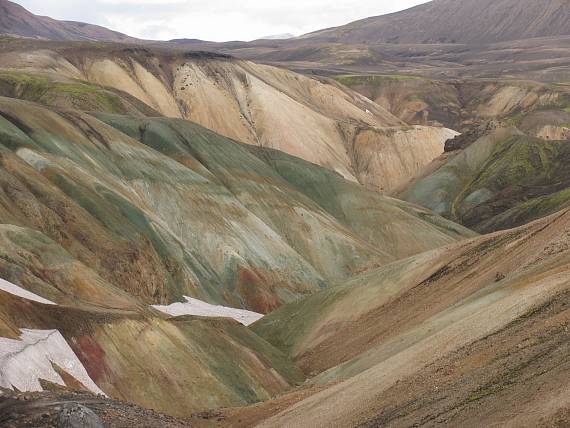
(216, 20)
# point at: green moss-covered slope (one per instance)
(502, 180)
(58, 92)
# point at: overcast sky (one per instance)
(216, 20)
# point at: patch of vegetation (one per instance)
(475, 397)
(42, 89)
(515, 120)
(527, 177)
(376, 79)
(519, 160)
(415, 98)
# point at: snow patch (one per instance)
(20, 292)
(24, 362)
(203, 309)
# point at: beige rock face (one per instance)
(550, 132)
(507, 99)
(274, 108)
(134, 79)
(388, 158)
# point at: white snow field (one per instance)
(20, 292)
(24, 362)
(203, 309)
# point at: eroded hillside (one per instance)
(190, 239)
(508, 166)
(468, 335)
(314, 119)
(458, 104)
(104, 215)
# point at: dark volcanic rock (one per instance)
(75, 415)
(462, 141)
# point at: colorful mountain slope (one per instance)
(503, 179)
(178, 366)
(314, 119)
(248, 238)
(105, 215)
(468, 334)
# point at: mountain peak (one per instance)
(16, 21)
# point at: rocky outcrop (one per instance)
(464, 140)
(551, 132)
(74, 415)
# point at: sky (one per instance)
(215, 20)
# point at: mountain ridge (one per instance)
(452, 21)
(17, 21)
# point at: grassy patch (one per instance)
(377, 79)
(42, 89)
(516, 119)
(415, 98)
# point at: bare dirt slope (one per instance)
(469, 335)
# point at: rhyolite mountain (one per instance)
(212, 238)
(314, 119)
(105, 215)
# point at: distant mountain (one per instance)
(285, 36)
(186, 41)
(18, 22)
(458, 21)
